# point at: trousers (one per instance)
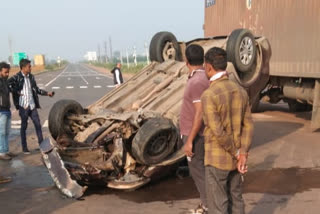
(24, 115)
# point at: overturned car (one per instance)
(130, 136)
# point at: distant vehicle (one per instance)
(130, 136)
(292, 27)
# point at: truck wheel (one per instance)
(58, 122)
(241, 50)
(164, 46)
(154, 141)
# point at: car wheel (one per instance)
(241, 50)
(163, 47)
(154, 141)
(58, 122)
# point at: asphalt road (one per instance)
(283, 177)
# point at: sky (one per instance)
(70, 28)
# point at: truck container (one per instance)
(292, 27)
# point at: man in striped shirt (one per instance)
(25, 97)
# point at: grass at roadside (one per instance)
(55, 66)
(131, 70)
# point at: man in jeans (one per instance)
(228, 135)
(5, 113)
(191, 124)
(25, 97)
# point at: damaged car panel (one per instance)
(130, 136)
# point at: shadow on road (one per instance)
(167, 189)
(267, 131)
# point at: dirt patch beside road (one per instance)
(35, 70)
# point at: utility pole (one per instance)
(11, 51)
(128, 64)
(135, 56)
(106, 50)
(147, 52)
(110, 44)
(99, 52)
(121, 60)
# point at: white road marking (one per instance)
(83, 78)
(111, 86)
(98, 78)
(85, 75)
(55, 87)
(45, 124)
(97, 86)
(54, 79)
(15, 122)
(83, 86)
(69, 78)
(108, 76)
(69, 87)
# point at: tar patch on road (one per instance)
(165, 190)
(282, 181)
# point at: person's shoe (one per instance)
(11, 154)
(5, 179)
(26, 152)
(4, 156)
(201, 209)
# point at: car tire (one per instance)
(255, 104)
(241, 50)
(154, 141)
(164, 46)
(57, 117)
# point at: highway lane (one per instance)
(75, 81)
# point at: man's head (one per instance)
(194, 55)
(4, 70)
(118, 65)
(215, 61)
(25, 66)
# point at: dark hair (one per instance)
(217, 57)
(24, 62)
(4, 65)
(194, 54)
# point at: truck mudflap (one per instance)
(315, 122)
(58, 171)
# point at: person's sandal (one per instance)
(5, 179)
(201, 209)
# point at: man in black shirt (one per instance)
(117, 75)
